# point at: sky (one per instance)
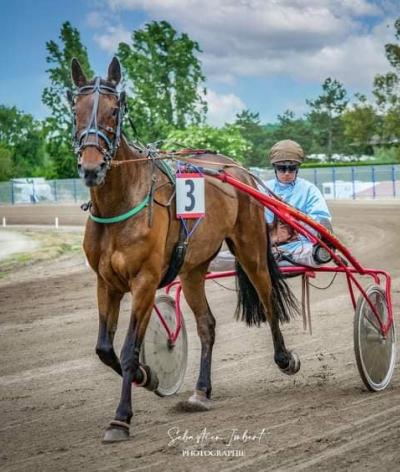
(264, 55)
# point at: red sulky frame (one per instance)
(345, 262)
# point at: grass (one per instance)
(51, 245)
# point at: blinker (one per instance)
(122, 98)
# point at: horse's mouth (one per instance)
(90, 182)
(93, 178)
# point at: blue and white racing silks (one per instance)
(306, 197)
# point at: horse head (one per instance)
(98, 110)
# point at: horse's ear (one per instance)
(114, 72)
(77, 73)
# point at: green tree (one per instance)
(360, 125)
(290, 127)
(325, 114)
(6, 163)
(22, 136)
(387, 91)
(227, 140)
(166, 80)
(59, 124)
(255, 133)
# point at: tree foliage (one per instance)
(59, 124)
(360, 125)
(6, 163)
(387, 91)
(227, 140)
(325, 114)
(21, 142)
(254, 133)
(297, 129)
(165, 79)
(168, 100)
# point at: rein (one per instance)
(147, 201)
(175, 157)
(179, 156)
(84, 139)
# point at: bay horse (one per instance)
(132, 254)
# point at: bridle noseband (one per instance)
(85, 138)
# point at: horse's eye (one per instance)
(115, 112)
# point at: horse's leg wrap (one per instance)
(116, 432)
(120, 424)
(293, 366)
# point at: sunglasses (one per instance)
(286, 168)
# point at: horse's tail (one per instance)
(249, 307)
(284, 302)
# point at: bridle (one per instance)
(89, 137)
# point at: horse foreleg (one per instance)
(194, 291)
(108, 303)
(143, 292)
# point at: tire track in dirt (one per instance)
(56, 397)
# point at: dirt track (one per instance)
(56, 398)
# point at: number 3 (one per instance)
(189, 194)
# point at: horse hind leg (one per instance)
(193, 285)
(258, 284)
(282, 304)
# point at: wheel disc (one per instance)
(169, 362)
(375, 354)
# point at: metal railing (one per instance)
(43, 191)
(358, 182)
(351, 182)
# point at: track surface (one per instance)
(12, 242)
(56, 398)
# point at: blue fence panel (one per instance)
(6, 192)
(352, 182)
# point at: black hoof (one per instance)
(294, 365)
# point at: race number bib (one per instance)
(190, 201)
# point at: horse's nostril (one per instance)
(103, 165)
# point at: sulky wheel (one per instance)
(168, 361)
(375, 354)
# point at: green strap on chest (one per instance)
(166, 169)
(117, 219)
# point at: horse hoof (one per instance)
(116, 433)
(197, 402)
(294, 365)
